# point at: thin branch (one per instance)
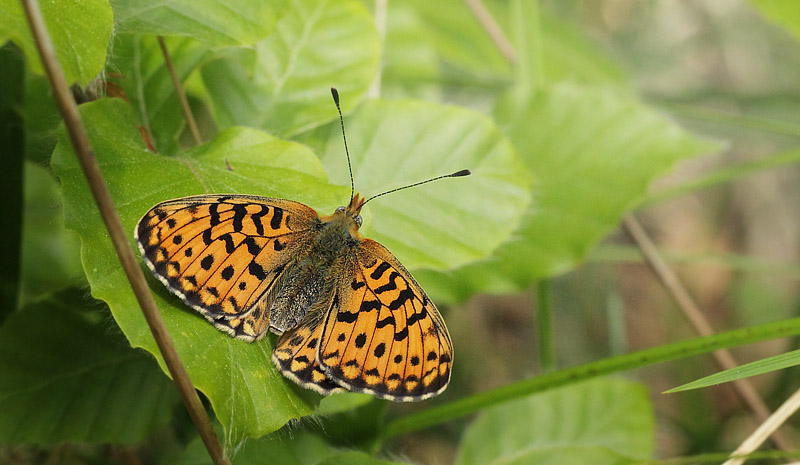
(491, 27)
(99, 189)
(681, 296)
(767, 429)
(187, 111)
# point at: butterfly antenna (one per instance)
(452, 175)
(335, 94)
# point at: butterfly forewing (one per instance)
(383, 335)
(222, 254)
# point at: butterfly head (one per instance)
(351, 214)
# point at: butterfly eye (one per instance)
(339, 209)
(357, 219)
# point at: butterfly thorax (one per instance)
(307, 279)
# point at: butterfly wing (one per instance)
(295, 355)
(223, 254)
(382, 334)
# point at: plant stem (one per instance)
(545, 324)
(701, 325)
(99, 189)
(660, 354)
(187, 110)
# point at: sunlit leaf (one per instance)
(284, 85)
(215, 22)
(249, 396)
(80, 32)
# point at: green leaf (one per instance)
(148, 85)
(342, 402)
(759, 367)
(50, 258)
(284, 86)
(461, 42)
(214, 22)
(783, 12)
(595, 152)
(446, 223)
(249, 396)
(80, 32)
(568, 55)
(356, 458)
(68, 377)
(304, 448)
(603, 421)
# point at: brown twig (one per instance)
(673, 286)
(187, 111)
(681, 296)
(484, 16)
(99, 189)
(765, 430)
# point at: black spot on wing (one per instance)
(257, 270)
(361, 339)
(404, 295)
(369, 305)
(346, 317)
(417, 316)
(256, 218)
(399, 336)
(227, 273)
(378, 272)
(228, 239)
(252, 248)
(239, 212)
(214, 219)
(390, 286)
(277, 217)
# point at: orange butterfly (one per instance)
(349, 314)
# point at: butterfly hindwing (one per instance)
(222, 254)
(382, 334)
(295, 355)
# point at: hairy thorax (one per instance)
(307, 280)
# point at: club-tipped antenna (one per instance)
(335, 94)
(452, 175)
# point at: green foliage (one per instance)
(560, 148)
(282, 85)
(249, 396)
(80, 32)
(67, 377)
(767, 365)
(605, 421)
(213, 22)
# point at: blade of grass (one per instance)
(664, 353)
(759, 367)
(721, 117)
(88, 162)
(725, 175)
(680, 295)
